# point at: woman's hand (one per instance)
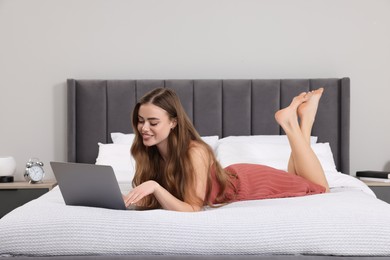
(139, 192)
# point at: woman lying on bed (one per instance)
(176, 170)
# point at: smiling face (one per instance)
(154, 125)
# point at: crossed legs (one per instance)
(303, 161)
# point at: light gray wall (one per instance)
(44, 42)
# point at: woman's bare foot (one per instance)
(287, 117)
(307, 110)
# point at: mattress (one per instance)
(348, 221)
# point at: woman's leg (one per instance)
(306, 113)
(304, 160)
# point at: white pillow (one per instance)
(275, 155)
(211, 140)
(325, 155)
(119, 158)
(120, 138)
(265, 139)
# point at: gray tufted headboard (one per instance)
(217, 107)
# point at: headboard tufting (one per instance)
(217, 107)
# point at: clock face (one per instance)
(36, 173)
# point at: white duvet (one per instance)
(347, 221)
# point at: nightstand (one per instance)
(381, 189)
(15, 194)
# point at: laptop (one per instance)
(88, 185)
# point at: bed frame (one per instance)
(217, 107)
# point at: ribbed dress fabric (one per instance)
(255, 181)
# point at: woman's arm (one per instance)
(166, 199)
(199, 159)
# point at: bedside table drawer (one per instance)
(13, 198)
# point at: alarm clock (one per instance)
(34, 171)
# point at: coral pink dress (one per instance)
(256, 181)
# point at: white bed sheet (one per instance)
(346, 221)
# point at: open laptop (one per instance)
(88, 185)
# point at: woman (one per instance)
(176, 170)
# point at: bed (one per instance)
(236, 117)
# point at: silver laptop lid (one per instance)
(88, 185)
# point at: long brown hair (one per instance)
(177, 174)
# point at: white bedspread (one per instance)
(343, 222)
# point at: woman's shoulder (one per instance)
(197, 148)
(195, 144)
